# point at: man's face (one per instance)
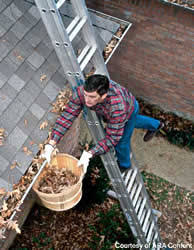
(93, 98)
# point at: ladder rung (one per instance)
(155, 239)
(150, 232)
(131, 180)
(126, 178)
(146, 220)
(133, 190)
(142, 216)
(137, 194)
(141, 208)
(77, 29)
(138, 204)
(147, 227)
(83, 53)
(60, 3)
(87, 58)
(72, 24)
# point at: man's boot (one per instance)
(150, 133)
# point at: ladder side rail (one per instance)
(122, 195)
(60, 40)
(80, 9)
(60, 3)
(146, 211)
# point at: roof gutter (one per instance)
(26, 193)
(118, 20)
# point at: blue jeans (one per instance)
(123, 148)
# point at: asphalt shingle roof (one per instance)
(26, 54)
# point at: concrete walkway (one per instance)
(164, 159)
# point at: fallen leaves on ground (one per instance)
(27, 151)
(43, 77)
(177, 130)
(175, 203)
(47, 229)
(62, 100)
(26, 123)
(14, 164)
(18, 56)
(2, 136)
(43, 125)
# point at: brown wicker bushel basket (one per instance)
(70, 195)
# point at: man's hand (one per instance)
(84, 160)
(48, 149)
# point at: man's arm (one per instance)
(65, 121)
(114, 132)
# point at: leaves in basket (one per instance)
(56, 180)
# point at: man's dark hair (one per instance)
(98, 83)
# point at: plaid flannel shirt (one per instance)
(115, 111)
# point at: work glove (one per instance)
(84, 160)
(48, 149)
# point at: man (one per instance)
(119, 109)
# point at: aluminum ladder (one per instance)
(129, 188)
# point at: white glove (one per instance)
(48, 149)
(84, 160)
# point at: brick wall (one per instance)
(138, 10)
(155, 59)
